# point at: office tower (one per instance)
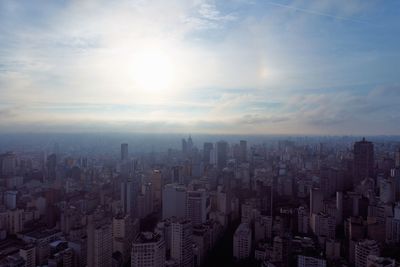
(303, 220)
(148, 250)
(363, 249)
(124, 152)
(123, 233)
(184, 146)
(339, 207)
(316, 200)
(310, 261)
(99, 243)
(129, 193)
(156, 182)
(51, 165)
(242, 242)
(174, 201)
(182, 243)
(397, 158)
(387, 190)
(207, 149)
(198, 206)
(375, 261)
(243, 150)
(10, 199)
(363, 161)
(8, 164)
(323, 225)
(222, 154)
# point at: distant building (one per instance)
(363, 161)
(222, 154)
(124, 152)
(174, 201)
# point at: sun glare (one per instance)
(153, 71)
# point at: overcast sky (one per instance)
(238, 66)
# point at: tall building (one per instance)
(182, 243)
(8, 164)
(222, 154)
(157, 184)
(316, 200)
(243, 150)
(129, 193)
(397, 158)
(310, 261)
(198, 206)
(123, 234)
(242, 242)
(174, 201)
(51, 165)
(10, 199)
(100, 243)
(363, 161)
(207, 149)
(148, 250)
(363, 249)
(124, 152)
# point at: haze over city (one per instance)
(242, 67)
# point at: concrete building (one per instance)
(242, 242)
(148, 250)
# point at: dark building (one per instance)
(124, 152)
(222, 154)
(363, 161)
(51, 167)
(207, 148)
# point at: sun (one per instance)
(153, 71)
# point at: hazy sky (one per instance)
(239, 66)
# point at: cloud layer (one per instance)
(295, 67)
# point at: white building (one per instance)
(148, 250)
(182, 243)
(242, 241)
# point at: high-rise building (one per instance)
(207, 149)
(242, 242)
(174, 201)
(363, 161)
(124, 231)
(222, 154)
(10, 199)
(198, 206)
(316, 200)
(363, 249)
(129, 193)
(243, 150)
(51, 165)
(157, 184)
(100, 243)
(148, 250)
(124, 152)
(397, 158)
(8, 164)
(323, 225)
(182, 243)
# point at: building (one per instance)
(207, 149)
(198, 206)
(375, 261)
(124, 230)
(10, 199)
(148, 250)
(182, 243)
(222, 154)
(316, 200)
(363, 161)
(242, 242)
(243, 151)
(129, 193)
(124, 152)
(363, 249)
(100, 243)
(174, 201)
(309, 261)
(323, 225)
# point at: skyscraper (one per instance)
(363, 161)
(222, 154)
(100, 243)
(148, 250)
(124, 152)
(243, 150)
(207, 148)
(198, 206)
(181, 243)
(174, 201)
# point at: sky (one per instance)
(326, 67)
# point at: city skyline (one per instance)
(220, 67)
